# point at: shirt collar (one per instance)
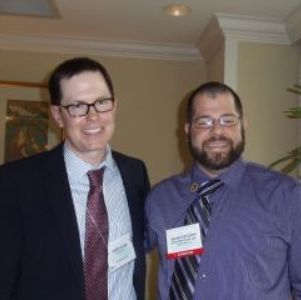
(79, 168)
(231, 176)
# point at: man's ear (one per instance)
(57, 115)
(187, 128)
(244, 123)
(115, 106)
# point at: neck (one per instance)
(93, 158)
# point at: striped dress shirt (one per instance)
(120, 282)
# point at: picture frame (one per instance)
(26, 126)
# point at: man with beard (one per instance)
(227, 229)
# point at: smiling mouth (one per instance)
(217, 145)
(93, 130)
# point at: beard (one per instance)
(217, 161)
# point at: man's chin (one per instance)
(218, 154)
(216, 164)
(214, 160)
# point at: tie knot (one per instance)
(96, 177)
(209, 187)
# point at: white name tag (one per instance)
(121, 252)
(184, 241)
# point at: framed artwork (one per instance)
(27, 127)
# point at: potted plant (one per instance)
(293, 159)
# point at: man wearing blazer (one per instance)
(43, 200)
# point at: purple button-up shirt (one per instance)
(253, 245)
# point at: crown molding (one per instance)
(223, 27)
(253, 29)
(293, 25)
(83, 46)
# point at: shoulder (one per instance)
(29, 166)
(123, 159)
(177, 183)
(168, 200)
(271, 181)
(132, 170)
(264, 174)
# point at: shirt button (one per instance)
(203, 276)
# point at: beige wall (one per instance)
(150, 99)
(264, 73)
(149, 94)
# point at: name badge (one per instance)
(184, 241)
(121, 252)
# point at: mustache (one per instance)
(218, 139)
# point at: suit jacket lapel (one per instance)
(60, 200)
(129, 181)
(127, 177)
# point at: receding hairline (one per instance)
(68, 77)
(213, 95)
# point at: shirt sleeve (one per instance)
(294, 257)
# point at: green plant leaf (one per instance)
(296, 89)
(294, 113)
(291, 166)
(293, 159)
(280, 160)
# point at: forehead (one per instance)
(214, 104)
(88, 82)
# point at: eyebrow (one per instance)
(84, 102)
(208, 116)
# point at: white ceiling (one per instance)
(137, 21)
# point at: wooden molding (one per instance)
(5, 83)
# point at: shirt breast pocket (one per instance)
(267, 264)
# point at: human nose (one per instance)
(217, 127)
(92, 113)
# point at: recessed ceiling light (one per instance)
(177, 10)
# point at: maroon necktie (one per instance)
(96, 240)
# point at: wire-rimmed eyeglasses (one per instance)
(209, 122)
(82, 109)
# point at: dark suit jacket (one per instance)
(40, 255)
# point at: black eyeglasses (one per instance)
(82, 109)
